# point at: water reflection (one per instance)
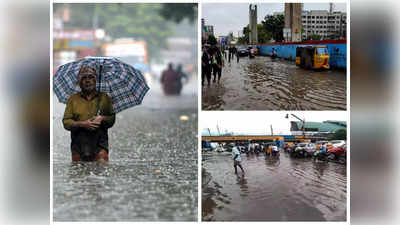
(273, 189)
(265, 84)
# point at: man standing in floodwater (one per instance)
(88, 116)
(236, 158)
(217, 64)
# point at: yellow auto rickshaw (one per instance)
(312, 57)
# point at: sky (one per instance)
(232, 17)
(259, 122)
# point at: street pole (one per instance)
(272, 131)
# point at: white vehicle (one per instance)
(337, 143)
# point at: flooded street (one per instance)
(152, 172)
(263, 83)
(272, 189)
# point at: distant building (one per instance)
(323, 23)
(327, 127)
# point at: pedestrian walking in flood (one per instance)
(237, 55)
(236, 158)
(229, 54)
(217, 64)
(94, 89)
(171, 80)
(89, 131)
(206, 66)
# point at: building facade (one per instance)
(292, 29)
(323, 23)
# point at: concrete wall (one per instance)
(337, 52)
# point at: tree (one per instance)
(274, 25)
(314, 37)
(263, 35)
(339, 135)
(245, 38)
(138, 21)
(178, 11)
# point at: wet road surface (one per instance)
(152, 173)
(263, 83)
(272, 189)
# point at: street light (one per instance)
(302, 120)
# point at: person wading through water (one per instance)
(217, 63)
(88, 116)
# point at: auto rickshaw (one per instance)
(312, 57)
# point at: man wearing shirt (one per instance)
(89, 137)
(275, 150)
(236, 158)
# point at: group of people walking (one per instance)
(212, 62)
(171, 80)
(213, 59)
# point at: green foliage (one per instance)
(314, 37)
(339, 135)
(245, 38)
(263, 35)
(123, 20)
(177, 11)
(274, 25)
(270, 27)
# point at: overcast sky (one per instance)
(258, 122)
(232, 17)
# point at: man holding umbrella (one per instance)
(95, 89)
(89, 134)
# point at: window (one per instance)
(322, 51)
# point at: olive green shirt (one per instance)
(80, 109)
(86, 142)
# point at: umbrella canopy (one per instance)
(124, 84)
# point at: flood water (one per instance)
(152, 172)
(272, 189)
(263, 83)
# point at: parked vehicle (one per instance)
(242, 51)
(337, 153)
(312, 57)
(337, 143)
(304, 150)
(242, 149)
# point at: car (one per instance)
(242, 51)
(337, 153)
(337, 143)
(242, 149)
(305, 149)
